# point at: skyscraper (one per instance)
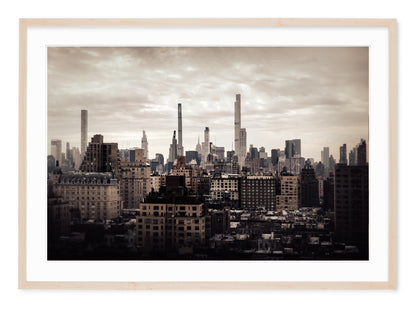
(353, 157)
(100, 156)
(275, 156)
(56, 150)
(293, 147)
(343, 154)
(84, 132)
(68, 154)
(205, 146)
(198, 147)
(243, 145)
(362, 153)
(309, 187)
(237, 124)
(351, 206)
(325, 157)
(180, 146)
(173, 149)
(145, 146)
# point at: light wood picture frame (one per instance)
(389, 24)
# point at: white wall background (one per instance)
(14, 299)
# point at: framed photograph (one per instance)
(207, 154)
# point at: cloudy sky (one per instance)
(319, 95)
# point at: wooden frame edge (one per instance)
(391, 25)
(210, 285)
(392, 256)
(208, 22)
(22, 273)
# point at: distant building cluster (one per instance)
(208, 203)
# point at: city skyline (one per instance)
(319, 95)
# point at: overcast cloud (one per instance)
(319, 95)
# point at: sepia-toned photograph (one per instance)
(208, 153)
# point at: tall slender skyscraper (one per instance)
(237, 125)
(362, 153)
(243, 146)
(84, 132)
(145, 145)
(68, 155)
(198, 147)
(343, 154)
(173, 149)
(206, 141)
(180, 146)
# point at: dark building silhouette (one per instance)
(217, 221)
(173, 149)
(192, 155)
(175, 183)
(362, 153)
(293, 147)
(320, 170)
(309, 186)
(254, 152)
(51, 163)
(352, 157)
(100, 156)
(329, 193)
(351, 206)
(59, 218)
(230, 155)
(331, 163)
(343, 154)
(275, 156)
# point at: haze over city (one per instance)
(319, 95)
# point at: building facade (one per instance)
(135, 183)
(258, 192)
(100, 156)
(293, 147)
(309, 187)
(162, 226)
(225, 187)
(95, 195)
(290, 192)
(351, 204)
